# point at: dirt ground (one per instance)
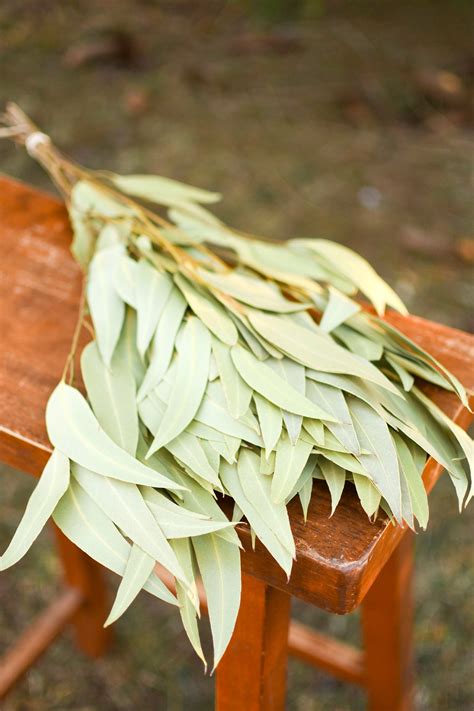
(349, 121)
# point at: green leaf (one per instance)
(413, 478)
(408, 345)
(164, 191)
(124, 505)
(334, 402)
(252, 291)
(256, 487)
(251, 511)
(85, 524)
(215, 414)
(48, 491)
(270, 385)
(187, 609)
(87, 197)
(127, 347)
(368, 494)
(138, 569)
(163, 342)
(270, 420)
(338, 310)
(359, 344)
(315, 429)
(211, 313)
(464, 441)
(381, 464)
(106, 307)
(236, 391)
(315, 350)
(195, 498)
(152, 290)
(82, 246)
(111, 392)
(290, 462)
(175, 524)
(294, 374)
(305, 495)
(219, 565)
(345, 261)
(189, 385)
(74, 430)
(406, 378)
(335, 478)
(126, 277)
(189, 450)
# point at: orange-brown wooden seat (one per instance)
(342, 561)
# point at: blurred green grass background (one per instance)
(349, 121)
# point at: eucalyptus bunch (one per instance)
(221, 364)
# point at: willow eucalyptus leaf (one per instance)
(317, 351)
(305, 496)
(74, 430)
(413, 477)
(215, 415)
(106, 307)
(382, 463)
(357, 343)
(155, 188)
(124, 505)
(138, 569)
(270, 385)
(407, 345)
(178, 525)
(187, 610)
(338, 310)
(406, 378)
(219, 565)
(290, 462)
(257, 487)
(335, 478)
(294, 374)
(208, 310)
(82, 246)
(163, 342)
(237, 393)
(189, 385)
(111, 392)
(334, 402)
(368, 495)
(189, 450)
(258, 523)
(51, 486)
(195, 498)
(127, 347)
(152, 290)
(358, 270)
(85, 524)
(126, 277)
(252, 291)
(271, 422)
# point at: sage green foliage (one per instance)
(208, 375)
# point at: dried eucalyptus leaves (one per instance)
(221, 364)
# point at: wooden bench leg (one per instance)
(87, 576)
(387, 622)
(252, 672)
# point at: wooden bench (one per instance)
(342, 562)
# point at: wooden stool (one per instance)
(342, 562)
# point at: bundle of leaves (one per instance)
(222, 364)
